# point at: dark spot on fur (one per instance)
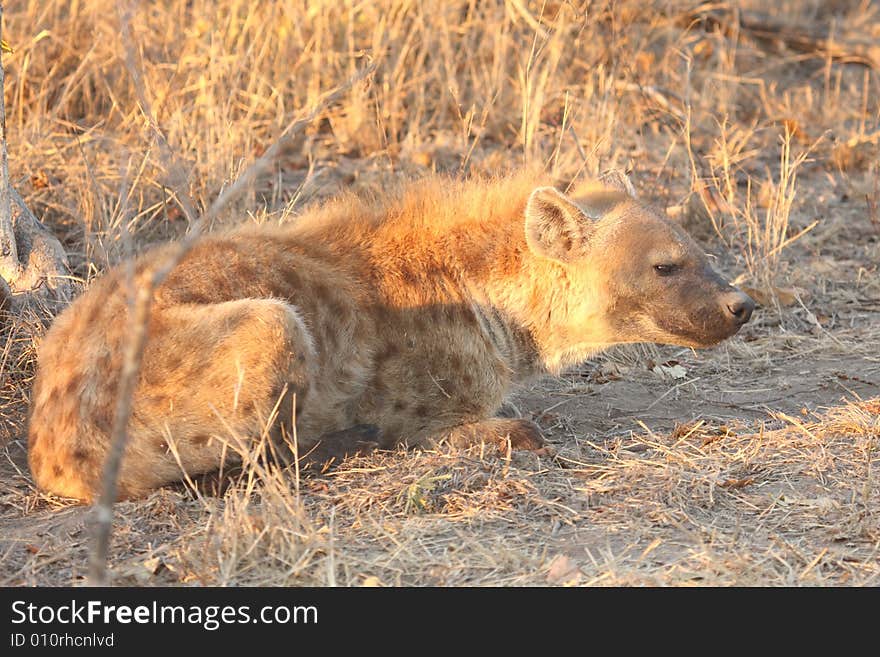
(73, 386)
(422, 410)
(467, 379)
(102, 417)
(80, 455)
(338, 309)
(380, 386)
(105, 363)
(384, 314)
(292, 280)
(465, 402)
(200, 439)
(320, 291)
(465, 315)
(57, 470)
(388, 350)
(400, 405)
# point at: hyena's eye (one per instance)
(665, 270)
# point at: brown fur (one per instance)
(399, 319)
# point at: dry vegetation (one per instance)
(757, 124)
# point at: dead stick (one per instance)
(9, 264)
(128, 379)
(293, 128)
(847, 49)
(173, 166)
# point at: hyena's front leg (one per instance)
(334, 446)
(519, 433)
(331, 448)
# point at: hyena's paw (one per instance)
(518, 433)
(524, 435)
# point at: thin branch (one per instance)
(770, 32)
(5, 294)
(128, 379)
(173, 165)
(147, 283)
(9, 264)
(293, 128)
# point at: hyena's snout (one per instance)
(709, 312)
(738, 306)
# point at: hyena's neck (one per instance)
(549, 321)
(514, 341)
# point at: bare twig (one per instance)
(9, 264)
(293, 128)
(128, 378)
(770, 33)
(873, 201)
(5, 293)
(173, 165)
(147, 282)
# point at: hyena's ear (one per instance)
(555, 226)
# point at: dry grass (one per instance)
(757, 468)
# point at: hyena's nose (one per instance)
(740, 305)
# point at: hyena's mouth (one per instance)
(704, 330)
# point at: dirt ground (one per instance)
(750, 464)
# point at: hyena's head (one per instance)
(632, 271)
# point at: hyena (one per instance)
(403, 319)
